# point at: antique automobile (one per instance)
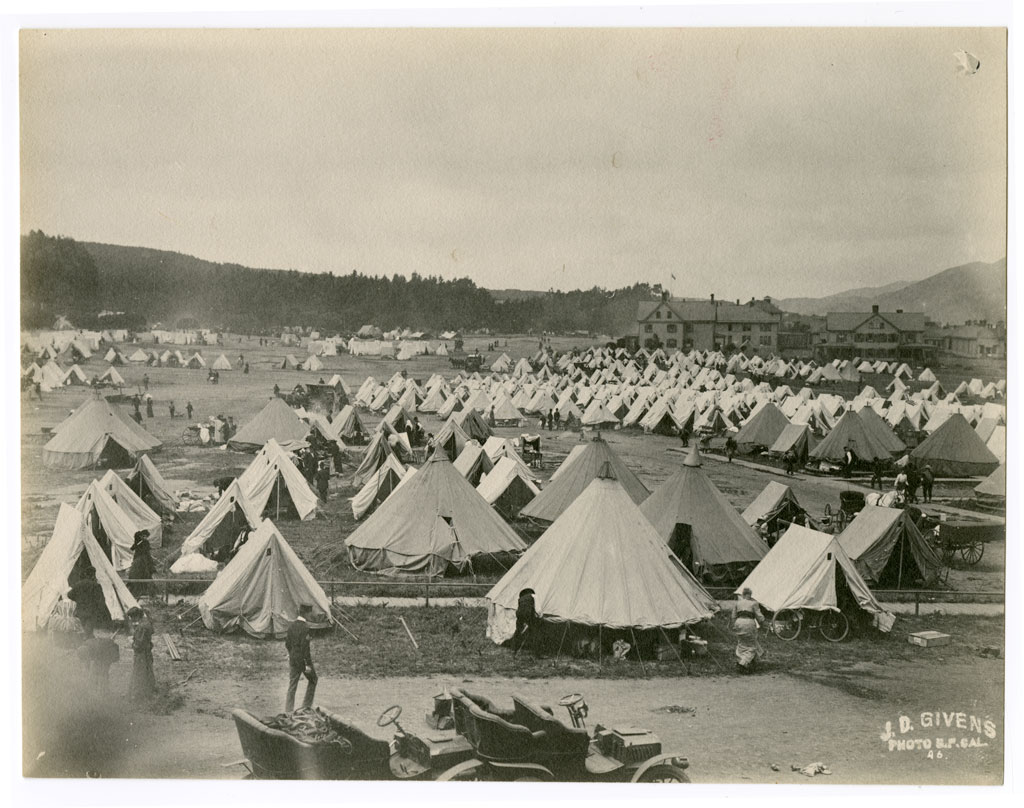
(530, 743)
(349, 754)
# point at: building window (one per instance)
(730, 327)
(657, 315)
(648, 328)
(671, 328)
(668, 315)
(766, 340)
(746, 327)
(670, 343)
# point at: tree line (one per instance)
(61, 276)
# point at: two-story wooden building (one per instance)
(685, 324)
(876, 334)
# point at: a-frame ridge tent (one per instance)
(147, 481)
(275, 421)
(131, 503)
(272, 481)
(508, 487)
(888, 549)
(378, 487)
(113, 527)
(775, 509)
(577, 471)
(433, 523)
(95, 433)
(48, 582)
(221, 525)
(701, 526)
(259, 591)
(600, 564)
(802, 571)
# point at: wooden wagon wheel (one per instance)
(948, 554)
(972, 553)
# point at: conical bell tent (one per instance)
(601, 566)
(575, 474)
(701, 526)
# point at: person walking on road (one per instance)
(927, 481)
(143, 679)
(300, 660)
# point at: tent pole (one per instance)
(558, 654)
(277, 513)
(599, 645)
(676, 650)
(639, 656)
(899, 575)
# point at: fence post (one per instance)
(331, 585)
(426, 592)
(917, 604)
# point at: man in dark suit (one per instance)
(300, 659)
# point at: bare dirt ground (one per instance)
(731, 728)
(831, 707)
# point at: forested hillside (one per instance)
(62, 276)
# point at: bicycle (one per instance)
(786, 624)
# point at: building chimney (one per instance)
(712, 297)
(899, 311)
(874, 309)
(737, 301)
(664, 296)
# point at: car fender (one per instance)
(657, 760)
(514, 770)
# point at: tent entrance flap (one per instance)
(681, 544)
(114, 456)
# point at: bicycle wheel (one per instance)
(840, 520)
(786, 624)
(834, 626)
(972, 553)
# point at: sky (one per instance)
(740, 162)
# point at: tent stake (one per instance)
(558, 654)
(676, 650)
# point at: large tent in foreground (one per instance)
(807, 569)
(600, 564)
(53, 575)
(888, 549)
(701, 526)
(146, 481)
(97, 433)
(433, 523)
(272, 483)
(275, 421)
(578, 471)
(260, 590)
(955, 450)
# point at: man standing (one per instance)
(145, 382)
(927, 480)
(300, 660)
(149, 407)
(323, 477)
(876, 474)
(143, 680)
(188, 409)
(170, 408)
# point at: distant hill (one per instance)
(970, 292)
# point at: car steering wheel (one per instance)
(571, 700)
(389, 716)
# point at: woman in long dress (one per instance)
(747, 619)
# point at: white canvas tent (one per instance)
(260, 590)
(47, 584)
(112, 526)
(221, 525)
(801, 571)
(272, 479)
(600, 563)
(146, 481)
(132, 504)
(96, 432)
